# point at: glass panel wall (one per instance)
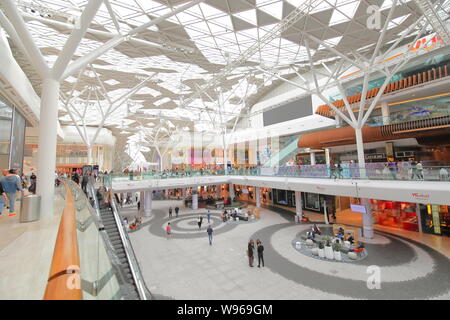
(6, 113)
(12, 136)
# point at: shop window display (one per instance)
(394, 214)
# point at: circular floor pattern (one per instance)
(305, 250)
(399, 253)
(185, 226)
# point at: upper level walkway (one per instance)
(375, 186)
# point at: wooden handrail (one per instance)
(64, 281)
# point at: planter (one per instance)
(329, 253)
(337, 255)
(321, 253)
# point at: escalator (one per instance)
(127, 282)
(122, 256)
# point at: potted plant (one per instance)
(328, 249)
(337, 251)
(321, 250)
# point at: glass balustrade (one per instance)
(372, 171)
(98, 279)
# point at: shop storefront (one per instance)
(401, 215)
(310, 201)
(435, 219)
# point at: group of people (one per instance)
(134, 224)
(177, 210)
(259, 251)
(230, 214)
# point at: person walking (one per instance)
(209, 216)
(84, 183)
(250, 248)
(170, 212)
(420, 170)
(210, 232)
(11, 184)
(32, 187)
(168, 230)
(176, 211)
(199, 222)
(260, 250)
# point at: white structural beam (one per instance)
(74, 39)
(32, 51)
(83, 61)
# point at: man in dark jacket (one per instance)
(260, 250)
(84, 183)
(210, 232)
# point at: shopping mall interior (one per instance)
(225, 149)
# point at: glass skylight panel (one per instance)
(111, 82)
(248, 16)
(397, 21)
(148, 4)
(162, 101)
(387, 4)
(274, 9)
(147, 90)
(225, 21)
(209, 11)
(186, 18)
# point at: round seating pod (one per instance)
(298, 245)
(352, 255)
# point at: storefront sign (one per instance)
(358, 208)
(436, 219)
(375, 156)
(420, 196)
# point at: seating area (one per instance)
(238, 214)
(339, 243)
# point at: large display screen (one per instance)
(290, 111)
(17, 141)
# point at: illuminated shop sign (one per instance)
(436, 219)
(358, 208)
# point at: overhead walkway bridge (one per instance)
(430, 185)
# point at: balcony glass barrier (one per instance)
(98, 279)
(372, 171)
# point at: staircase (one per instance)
(436, 21)
(127, 281)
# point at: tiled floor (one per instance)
(347, 217)
(26, 250)
(185, 266)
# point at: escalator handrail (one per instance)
(140, 285)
